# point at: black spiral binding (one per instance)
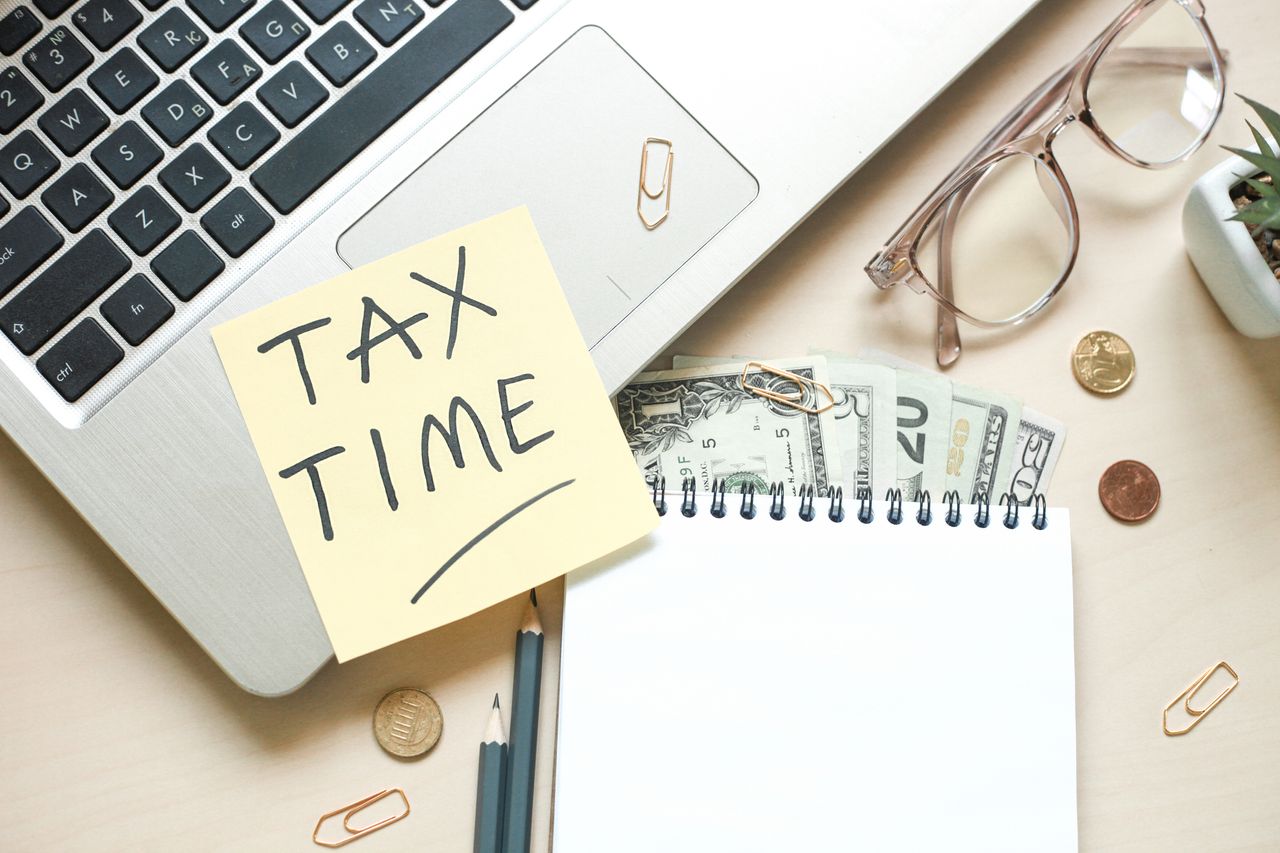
(807, 495)
(688, 498)
(659, 485)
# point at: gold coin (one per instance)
(1103, 362)
(407, 722)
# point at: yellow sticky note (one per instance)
(434, 432)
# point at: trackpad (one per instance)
(567, 141)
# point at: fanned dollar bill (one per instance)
(1035, 455)
(699, 422)
(865, 399)
(923, 427)
(984, 429)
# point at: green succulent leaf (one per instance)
(1261, 141)
(1267, 190)
(1264, 213)
(1269, 117)
(1270, 165)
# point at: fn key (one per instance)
(80, 359)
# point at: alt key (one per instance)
(81, 358)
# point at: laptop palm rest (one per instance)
(566, 141)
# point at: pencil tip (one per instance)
(533, 597)
(495, 700)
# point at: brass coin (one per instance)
(1103, 362)
(1129, 491)
(407, 722)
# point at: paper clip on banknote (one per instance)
(351, 810)
(1185, 697)
(808, 398)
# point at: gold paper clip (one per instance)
(664, 188)
(791, 399)
(354, 809)
(1187, 695)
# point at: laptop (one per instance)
(166, 165)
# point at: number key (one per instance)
(18, 99)
(16, 29)
(105, 22)
(57, 58)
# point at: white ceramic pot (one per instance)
(1225, 255)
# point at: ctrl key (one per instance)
(81, 358)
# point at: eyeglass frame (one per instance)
(1013, 136)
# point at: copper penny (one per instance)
(1103, 362)
(1129, 491)
(407, 722)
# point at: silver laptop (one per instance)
(166, 165)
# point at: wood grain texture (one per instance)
(116, 731)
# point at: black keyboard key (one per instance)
(53, 8)
(127, 154)
(16, 29)
(74, 364)
(105, 22)
(63, 290)
(322, 10)
(57, 58)
(226, 71)
(123, 80)
(187, 265)
(4, 205)
(520, 4)
(408, 74)
(219, 14)
(293, 94)
(77, 197)
(176, 113)
(73, 122)
(136, 309)
(388, 20)
(172, 39)
(340, 53)
(243, 135)
(18, 99)
(237, 222)
(26, 241)
(144, 220)
(274, 31)
(153, 4)
(25, 164)
(194, 177)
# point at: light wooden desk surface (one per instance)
(117, 732)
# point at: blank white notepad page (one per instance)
(761, 685)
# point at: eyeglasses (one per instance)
(996, 241)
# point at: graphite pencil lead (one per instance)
(532, 623)
(494, 732)
(533, 597)
(495, 700)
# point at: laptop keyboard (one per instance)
(106, 219)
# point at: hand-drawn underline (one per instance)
(475, 540)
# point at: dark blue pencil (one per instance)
(491, 785)
(525, 699)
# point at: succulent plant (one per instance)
(1264, 212)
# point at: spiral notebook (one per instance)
(734, 684)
